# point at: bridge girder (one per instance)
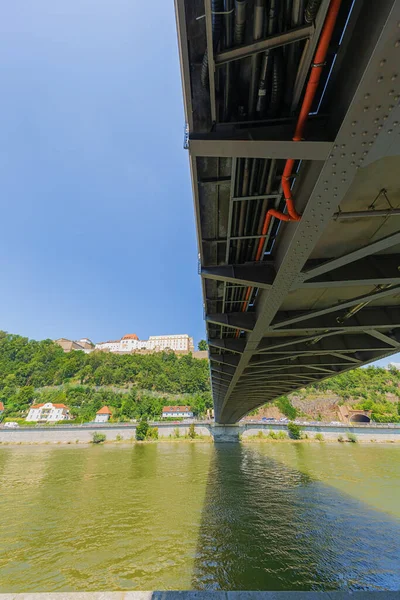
(325, 295)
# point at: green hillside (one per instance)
(136, 385)
(370, 388)
(133, 385)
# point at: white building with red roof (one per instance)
(130, 342)
(177, 411)
(48, 412)
(103, 415)
(181, 343)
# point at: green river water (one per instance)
(277, 516)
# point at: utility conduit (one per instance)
(312, 86)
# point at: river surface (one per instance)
(277, 516)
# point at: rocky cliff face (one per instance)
(315, 407)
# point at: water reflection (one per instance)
(179, 515)
(369, 473)
(101, 518)
(266, 526)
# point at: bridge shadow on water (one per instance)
(266, 526)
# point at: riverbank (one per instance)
(205, 432)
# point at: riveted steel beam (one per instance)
(217, 388)
(277, 390)
(382, 318)
(294, 362)
(301, 369)
(351, 257)
(236, 346)
(254, 274)
(348, 357)
(308, 315)
(230, 148)
(336, 343)
(241, 321)
(268, 344)
(392, 339)
(225, 359)
(372, 270)
(277, 377)
(278, 360)
(276, 41)
(218, 368)
(221, 377)
(367, 214)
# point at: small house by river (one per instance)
(48, 412)
(177, 411)
(103, 415)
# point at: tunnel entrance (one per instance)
(360, 418)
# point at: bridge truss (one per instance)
(300, 272)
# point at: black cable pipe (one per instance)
(258, 27)
(311, 10)
(240, 21)
(276, 83)
(266, 66)
(216, 16)
(228, 37)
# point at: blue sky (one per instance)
(98, 235)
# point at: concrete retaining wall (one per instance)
(366, 433)
(74, 434)
(219, 433)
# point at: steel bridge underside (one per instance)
(325, 297)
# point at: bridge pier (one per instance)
(225, 433)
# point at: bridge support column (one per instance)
(225, 433)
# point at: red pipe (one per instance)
(312, 86)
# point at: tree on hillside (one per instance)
(85, 374)
(128, 406)
(202, 345)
